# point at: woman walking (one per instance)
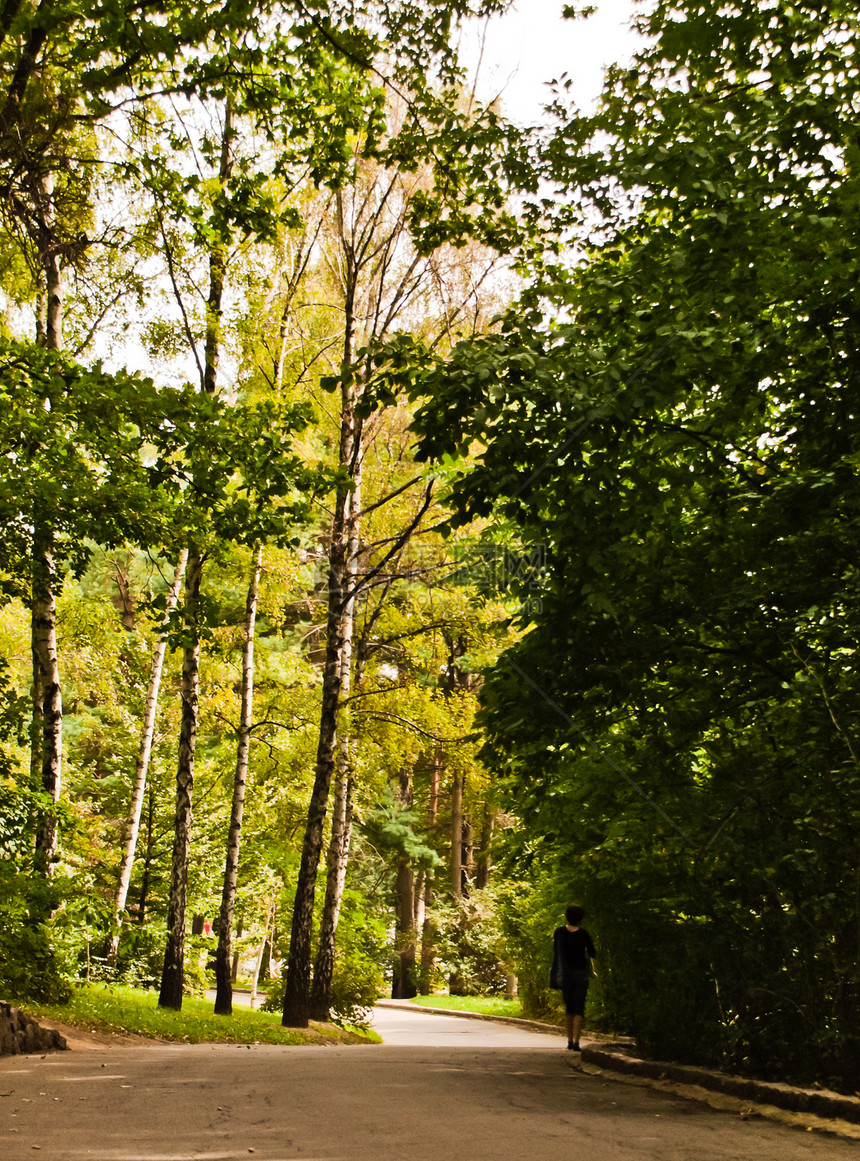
(571, 970)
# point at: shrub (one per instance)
(470, 948)
(356, 985)
(140, 957)
(355, 988)
(31, 968)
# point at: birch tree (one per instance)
(132, 826)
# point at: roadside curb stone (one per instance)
(818, 1102)
(617, 1057)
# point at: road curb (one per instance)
(817, 1102)
(617, 1058)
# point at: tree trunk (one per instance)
(428, 928)
(173, 971)
(403, 982)
(296, 998)
(261, 954)
(41, 310)
(468, 852)
(172, 976)
(124, 600)
(457, 836)
(337, 859)
(428, 935)
(218, 257)
(419, 902)
(144, 751)
(50, 261)
(342, 567)
(47, 701)
(484, 861)
(46, 731)
(148, 859)
(224, 953)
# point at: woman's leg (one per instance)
(569, 1020)
(574, 1029)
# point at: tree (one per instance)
(224, 957)
(143, 757)
(670, 424)
(393, 230)
(224, 136)
(245, 485)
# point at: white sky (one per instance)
(532, 45)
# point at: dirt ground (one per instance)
(82, 1038)
(92, 1039)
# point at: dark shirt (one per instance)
(574, 947)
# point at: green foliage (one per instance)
(31, 967)
(676, 432)
(471, 951)
(17, 811)
(140, 957)
(357, 984)
(360, 960)
(35, 963)
(528, 915)
(393, 828)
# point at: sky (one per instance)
(532, 44)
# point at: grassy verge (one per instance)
(486, 1005)
(129, 1011)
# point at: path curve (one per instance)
(458, 1099)
(406, 1026)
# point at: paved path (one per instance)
(463, 1101)
(405, 1027)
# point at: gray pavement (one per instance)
(397, 1025)
(459, 1100)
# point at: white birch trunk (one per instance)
(147, 733)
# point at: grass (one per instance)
(113, 1008)
(486, 1005)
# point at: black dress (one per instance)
(573, 951)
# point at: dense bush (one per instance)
(140, 957)
(356, 986)
(471, 955)
(731, 972)
(30, 966)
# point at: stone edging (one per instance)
(818, 1102)
(21, 1035)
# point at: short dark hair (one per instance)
(574, 914)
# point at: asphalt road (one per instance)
(462, 1090)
